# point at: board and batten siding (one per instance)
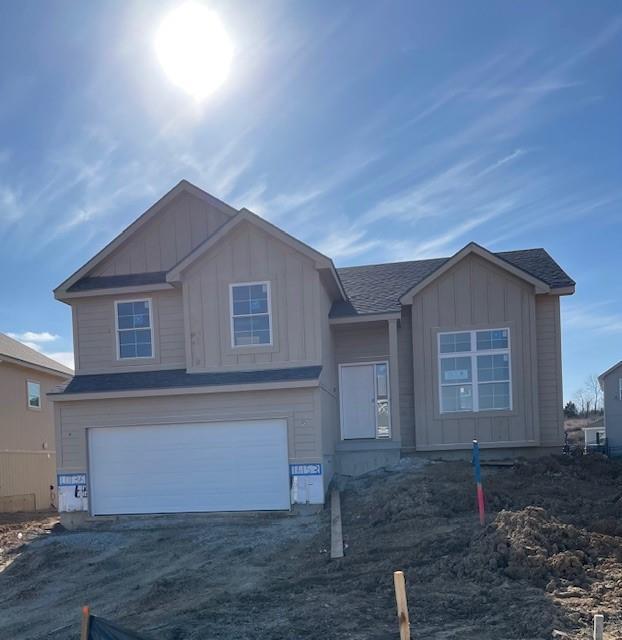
(613, 409)
(475, 295)
(405, 363)
(95, 338)
(248, 254)
(163, 241)
(548, 332)
(301, 408)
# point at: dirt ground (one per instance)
(549, 558)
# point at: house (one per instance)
(27, 451)
(222, 364)
(611, 385)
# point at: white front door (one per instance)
(216, 466)
(358, 401)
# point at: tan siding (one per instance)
(166, 239)
(95, 333)
(299, 406)
(474, 294)
(361, 342)
(407, 415)
(27, 442)
(249, 254)
(549, 370)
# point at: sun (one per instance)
(194, 49)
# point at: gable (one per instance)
(178, 228)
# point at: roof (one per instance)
(90, 283)
(178, 378)
(377, 288)
(602, 376)
(19, 353)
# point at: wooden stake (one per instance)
(86, 618)
(598, 626)
(402, 605)
(336, 534)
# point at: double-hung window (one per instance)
(475, 371)
(134, 329)
(251, 322)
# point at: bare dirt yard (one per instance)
(549, 558)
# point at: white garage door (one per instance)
(218, 466)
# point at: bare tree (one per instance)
(594, 392)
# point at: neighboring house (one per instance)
(27, 451)
(611, 384)
(222, 364)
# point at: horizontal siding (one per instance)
(361, 342)
(27, 476)
(299, 406)
(95, 333)
(613, 407)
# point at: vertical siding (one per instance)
(249, 254)
(613, 409)
(549, 370)
(300, 407)
(95, 333)
(166, 239)
(406, 391)
(472, 295)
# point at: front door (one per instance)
(358, 401)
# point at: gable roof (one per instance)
(18, 353)
(151, 212)
(378, 288)
(245, 215)
(602, 376)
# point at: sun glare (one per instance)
(194, 49)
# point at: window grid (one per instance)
(139, 336)
(250, 316)
(474, 381)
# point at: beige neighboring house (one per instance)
(27, 442)
(224, 365)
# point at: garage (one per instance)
(176, 468)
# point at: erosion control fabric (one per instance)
(100, 629)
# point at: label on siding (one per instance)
(72, 492)
(312, 469)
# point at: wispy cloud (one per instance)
(593, 317)
(34, 336)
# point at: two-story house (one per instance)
(222, 364)
(27, 451)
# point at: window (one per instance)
(475, 371)
(33, 390)
(134, 329)
(383, 417)
(251, 323)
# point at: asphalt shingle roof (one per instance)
(90, 283)
(15, 350)
(176, 378)
(377, 288)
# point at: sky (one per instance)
(374, 131)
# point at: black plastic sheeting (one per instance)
(100, 629)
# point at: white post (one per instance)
(598, 626)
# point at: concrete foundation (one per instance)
(358, 457)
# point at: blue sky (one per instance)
(375, 131)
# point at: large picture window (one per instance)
(474, 371)
(134, 329)
(251, 323)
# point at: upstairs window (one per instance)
(33, 393)
(251, 322)
(474, 371)
(134, 329)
